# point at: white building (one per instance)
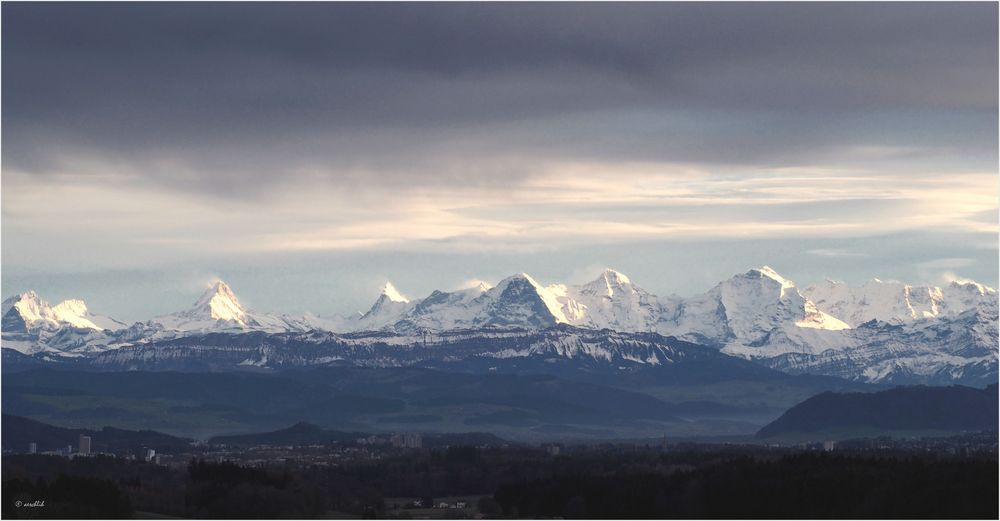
(409, 440)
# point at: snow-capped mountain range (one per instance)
(29, 311)
(879, 331)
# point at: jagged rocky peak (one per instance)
(28, 305)
(520, 300)
(477, 286)
(28, 312)
(971, 287)
(519, 278)
(13, 299)
(21, 311)
(612, 276)
(611, 301)
(220, 303)
(756, 284)
(390, 306)
(390, 292)
(520, 283)
(607, 284)
(766, 272)
(516, 285)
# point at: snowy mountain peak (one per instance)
(76, 313)
(390, 292)
(218, 309)
(519, 277)
(606, 285)
(962, 295)
(220, 303)
(480, 286)
(521, 297)
(616, 277)
(73, 311)
(73, 306)
(29, 306)
(876, 282)
(972, 286)
(215, 289)
(768, 272)
(609, 302)
(27, 295)
(25, 312)
(895, 302)
(390, 307)
(747, 308)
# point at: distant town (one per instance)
(399, 476)
(379, 446)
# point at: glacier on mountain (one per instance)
(744, 309)
(896, 302)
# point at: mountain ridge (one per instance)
(954, 408)
(757, 315)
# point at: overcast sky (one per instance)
(307, 153)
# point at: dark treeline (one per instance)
(805, 485)
(65, 496)
(39, 478)
(520, 482)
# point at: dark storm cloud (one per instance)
(199, 93)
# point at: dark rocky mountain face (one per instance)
(539, 384)
(561, 350)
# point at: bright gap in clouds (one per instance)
(566, 205)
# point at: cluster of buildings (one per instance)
(286, 455)
(824, 446)
(430, 503)
(370, 448)
(970, 444)
(408, 440)
(84, 449)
